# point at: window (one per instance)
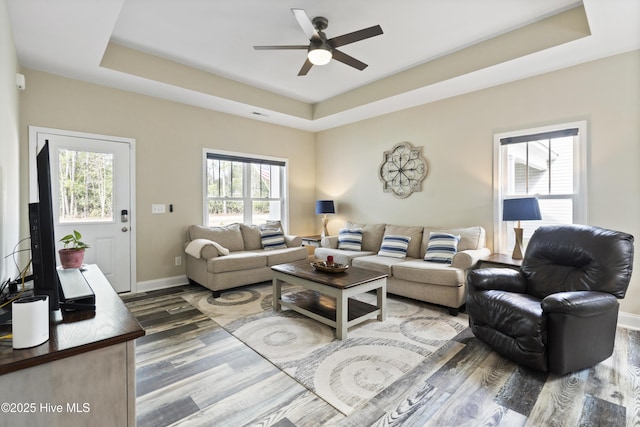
(85, 186)
(239, 188)
(549, 163)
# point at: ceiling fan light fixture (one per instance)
(319, 54)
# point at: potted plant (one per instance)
(72, 255)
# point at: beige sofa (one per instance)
(226, 257)
(433, 282)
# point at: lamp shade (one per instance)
(325, 207)
(523, 209)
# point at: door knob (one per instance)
(125, 229)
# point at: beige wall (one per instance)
(169, 142)
(9, 148)
(457, 136)
(342, 163)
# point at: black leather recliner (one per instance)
(559, 312)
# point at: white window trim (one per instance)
(580, 172)
(285, 189)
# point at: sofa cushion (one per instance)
(381, 264)
(272, 239)
(428, 272)
(394, 246)
(236, 261)
(229, 236)
(340, 256)
(251, 236)
(350, 239)
(470, 237)
(442, 247)
(282, 256)
(371, 235)
(415, 233)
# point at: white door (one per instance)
(90, 186)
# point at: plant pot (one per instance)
(71, 258)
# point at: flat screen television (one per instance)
(43, 242)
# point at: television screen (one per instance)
(43, 242)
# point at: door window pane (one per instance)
(85, 186)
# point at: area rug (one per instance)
(348, 373)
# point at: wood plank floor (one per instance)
(190, 371)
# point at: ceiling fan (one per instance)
(320, 49)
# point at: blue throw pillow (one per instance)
(350, 239)
(442, 247)
(394, 246)
(272, 239)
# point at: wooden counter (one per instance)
(83, 375)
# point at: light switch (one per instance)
(157, 209)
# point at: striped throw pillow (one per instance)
(272, 239)
(394, 246)
(442, 247)
(350, 239)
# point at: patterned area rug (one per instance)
(348, 373)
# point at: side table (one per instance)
(500, 261)
(311, 242)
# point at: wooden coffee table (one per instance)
(326, 296)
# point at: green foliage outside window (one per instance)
(85, 186)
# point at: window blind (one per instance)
(241, 159)
(539, 136)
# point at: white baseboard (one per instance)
(628, 320)
(165, 282)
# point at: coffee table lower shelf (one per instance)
(323, 308)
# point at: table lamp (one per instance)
(325, 207)
(523, 209)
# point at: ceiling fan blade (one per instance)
(305, 47)
(348, 59)
(356, 36)
(305, 68)
(305, 23)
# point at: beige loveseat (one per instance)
(226, 257)
(434, 282)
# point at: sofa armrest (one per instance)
(292, 241)
(580, 303)
(469, 258)
(206, 251)
(501, 279)
(209, 252)
(329, 242)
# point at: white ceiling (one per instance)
(70, 37)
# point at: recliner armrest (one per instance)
(501, 279)
(580, 303)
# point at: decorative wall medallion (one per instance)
(403, 169)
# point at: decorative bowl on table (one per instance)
(329, 267)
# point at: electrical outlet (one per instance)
(178, 260)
